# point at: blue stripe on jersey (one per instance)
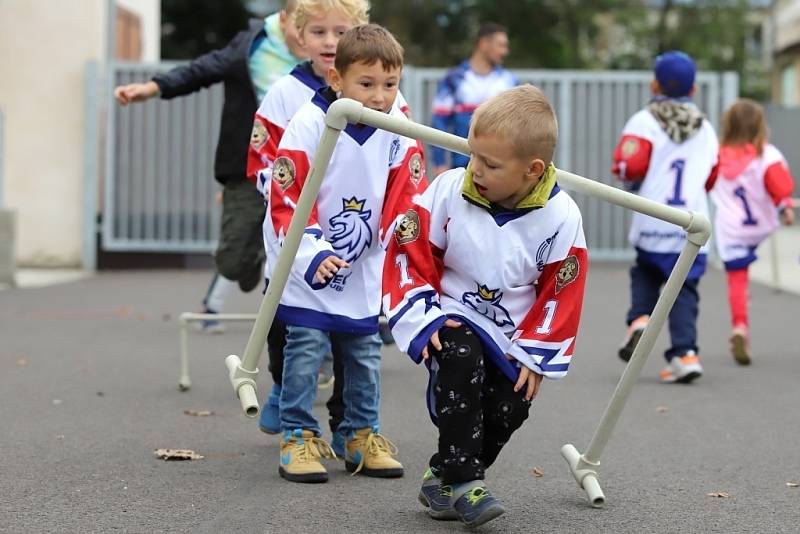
(312, 270)
(421, 341)
(546, 355)
(304, 72)
(665, 262)
(741, 263)
(328, 322)
(324, 97)
(427, 295)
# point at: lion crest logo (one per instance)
(259, 135)
(408, 229)
(351, 234)
(487, 302)
(283, 172)
(567, 273)
(415, 168)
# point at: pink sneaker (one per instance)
(740, 345)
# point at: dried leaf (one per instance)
(177, 454)
(720, 494)
(792, 484)
(22, 362)
(537, 472)
(60, 436)
(662, 409)
(198, 413)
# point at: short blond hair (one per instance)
(355, 10)
(524, 117)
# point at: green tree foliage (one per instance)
(190, 28)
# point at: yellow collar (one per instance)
(537, 198)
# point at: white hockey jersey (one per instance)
(516, 277)
(677, 175)
(371, 180)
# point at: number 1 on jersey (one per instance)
(676, 199)
(748, 220)
(402, 263)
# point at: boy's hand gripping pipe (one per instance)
(584, 466)
(243, 373)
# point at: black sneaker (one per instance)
(477, 506)
(436, 497)
(251, 277)
(632, 337)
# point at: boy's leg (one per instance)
(335, 404)
(738, 296)
(646, 284)
(302, 355)
(684, 364)
(504, 411)
(218, 291)
(270, 419)
(367, 451)
(240, 253)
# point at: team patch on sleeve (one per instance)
(259, 135)
(415, 168)
(567, 273)
(629, 148)
(408, 229)
(283, 172)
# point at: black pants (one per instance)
(476, 406)
(276, 341)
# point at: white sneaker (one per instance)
(682, 369)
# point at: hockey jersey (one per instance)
(370, 182)
(673, 149)
(746, 194)
(516, 277)
(273, 116)
(458, 95)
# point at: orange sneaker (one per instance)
(632, 337)
(682, 369)
(740, 345)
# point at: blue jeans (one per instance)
(303, 355)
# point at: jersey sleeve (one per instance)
(631, 158)
(546, 336)
(413, 268)
(406, 181)
(289, 173)
(779, 184)
(268, 128)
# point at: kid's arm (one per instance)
(779, 184)
(631, 158)
(412, 273)
(545, 340)
(407, 180)
(264, 141)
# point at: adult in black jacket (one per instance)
(247, 66)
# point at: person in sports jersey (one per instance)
(668, 152)
(488, 330)
(333, 294)
(467, 86)
(753, 192)
(319, 24)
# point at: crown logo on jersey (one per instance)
(486, 293)
(352, 204)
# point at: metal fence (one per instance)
(159, 185)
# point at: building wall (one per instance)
(786, 52)
(149, 11)
(45, 51)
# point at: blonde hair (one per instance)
(368, 44)
(744, 122)
(355, 10)
(524, 117)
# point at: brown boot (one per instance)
(301, 451)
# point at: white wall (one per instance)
(44, 51)
(150, 13)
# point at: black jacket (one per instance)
(230, 66)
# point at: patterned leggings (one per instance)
(476, 407)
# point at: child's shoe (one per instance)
(270, 420)
(209, 326)
(301, 451)
(740, 345)
(371, 454)
(436, 497)
(337, 444)
(682, 369)
(476, 505)
(386, 334)
(632, 337)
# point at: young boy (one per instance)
(319, 24)
(333, 291)
(669, 152)
(484, 281)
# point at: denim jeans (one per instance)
(303, 354)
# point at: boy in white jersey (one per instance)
(334, 288)
(669, 152)
(484, 281)
(755, 185)
(319, 24)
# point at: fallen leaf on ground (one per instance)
(792, 484)
(60, 436)
(22, 362)
(720, 494)
(198, 413)
(177, 454)
(662, 409)
(537, 472)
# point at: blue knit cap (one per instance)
(675, 72)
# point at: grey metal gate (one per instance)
(159, 184)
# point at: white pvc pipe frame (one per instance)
(584, 466)
(775, 255)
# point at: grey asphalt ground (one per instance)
(88, 389)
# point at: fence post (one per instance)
(7, 225)
(91, 148)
